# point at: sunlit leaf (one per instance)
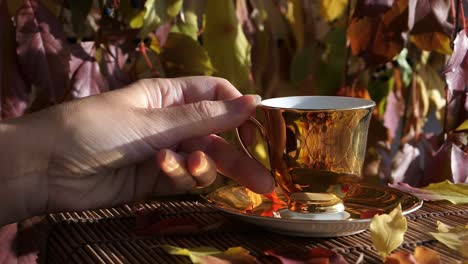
(455, 238)
(181, 55)
(226, 44)
(422, 255)
(377, 39)
(79, 12)
(156, 12)
(433, 41)
(43, 52)
(207, 255)
(295, 255)
(456, 71)
(112, 66)
(189, 24)
(463, 126)
(455, 193)
(435, 88)
(295, 17)
(387, 231)
(332, 9)
(85, 74)
(13, 88)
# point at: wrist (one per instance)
(26, 143)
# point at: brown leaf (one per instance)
(366, 8)
(13, 88)
(42, 51)
(429, 16)
(377, 39)
(85, 74)
(295, 255)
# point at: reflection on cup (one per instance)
(316, 146)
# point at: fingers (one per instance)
(233, 163)
(168, 126)
(184, 172)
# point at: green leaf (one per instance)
(406, 70)
(387, 231)
(182, 56)
(188, 25)
(463, 126)
(194, 253)
(455, 238)
(226, 44)
(300, 65)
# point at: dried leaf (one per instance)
(422, 255)
(332, 9)
(13, 88)
(85, 74)
(295, 255)
(226, 44)
(455, 193)
(456, 71)
(43, 53)
(377, 39)
(183, 56)
(455, 238)
(207, 255)
(387, 231)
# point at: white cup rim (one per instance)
(318, 103)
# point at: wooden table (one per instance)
(108, 236)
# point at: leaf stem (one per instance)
(346, 59)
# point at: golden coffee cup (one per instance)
(316, 144)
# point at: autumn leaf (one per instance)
(378, 38)
(295, 18)
(332, 9)
(296, 255)
(387, 231)
(85, 74)
(13, 88)
(455, 193)
(189, 24)
(455, 238)
(429, 27)
(43, 53)
(226, 44)
(456, 71)
(372, 7)
(207, 255)
(157, 12)
(406, 164)
(112, 66)
(463, 126)
(422, 255)
(183, 56)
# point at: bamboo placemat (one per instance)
(107, 235)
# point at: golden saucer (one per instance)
(361, 203)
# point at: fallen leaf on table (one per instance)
(455, 238)
(421, 255)
(207, 255)
(296, 255)
(387, 231)
(455, 193)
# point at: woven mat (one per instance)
(107, 236)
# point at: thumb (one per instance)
(172, 125)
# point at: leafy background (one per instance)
(407, 55)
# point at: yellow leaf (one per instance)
(455, 238)
(194, 253)
(433, 41)
(332, 9)
(446, 190)
(463, 126)
(226, 44)
(138, 20)
(387, 231)
(212, 255)
(295, 18)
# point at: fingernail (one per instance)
(256, 97)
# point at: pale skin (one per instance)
(154, 137)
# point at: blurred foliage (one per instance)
(403, 54)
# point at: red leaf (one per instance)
(406, 165)
(112, 67)
(42, 51)
(395, 107)
(85, 74)
(13, 89)
(429, 16)
(295, 255)
(456, 71)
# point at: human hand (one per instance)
(107, 149)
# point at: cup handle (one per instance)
(241, 143)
